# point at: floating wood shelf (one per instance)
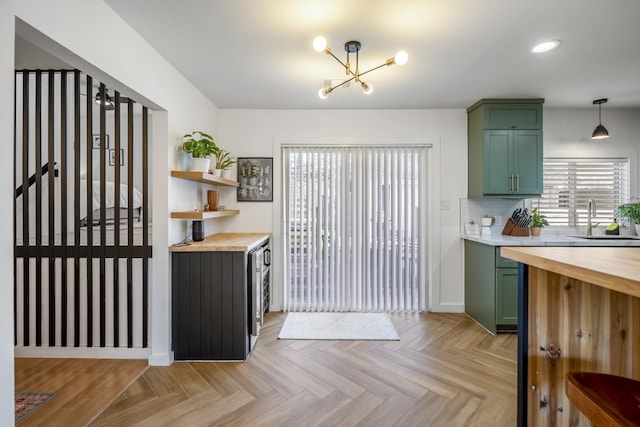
(206, 178)
(204, 214)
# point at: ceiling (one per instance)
(259, 54)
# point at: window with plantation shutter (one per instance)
(570, 183)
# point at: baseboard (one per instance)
(161, 359)
(82, 352)
(447, 308)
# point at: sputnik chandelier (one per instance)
(320, 45)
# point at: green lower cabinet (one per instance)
(507, 297)
(491, 287)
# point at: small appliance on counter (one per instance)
(198, 230)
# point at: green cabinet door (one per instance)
(479, 283)
(527, 161)
(512, 162)
(506, 298)
(498, 162)
(518, 115)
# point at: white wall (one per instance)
(7, 407)
(259, 133)
(567, 133)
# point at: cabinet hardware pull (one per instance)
(511, 185)
(553, 353)
(518, 183)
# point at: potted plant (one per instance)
(538, 222)
(201, 146)
(630, 212)
(224, 162)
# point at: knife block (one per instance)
(510, 229)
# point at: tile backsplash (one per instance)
(473, 210)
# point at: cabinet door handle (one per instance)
(511, 185)
(518, 183)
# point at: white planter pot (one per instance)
(217, 172)
(226, 173)
(637, 229)
(199, 164)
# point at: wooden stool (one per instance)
(607, 400)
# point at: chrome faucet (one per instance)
(591, 210)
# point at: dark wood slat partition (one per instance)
(80, 303)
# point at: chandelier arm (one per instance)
(341, 63)
(340, 84)
(373, 69)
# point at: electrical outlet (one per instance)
(444, 204)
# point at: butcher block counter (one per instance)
(579, 310)
(224, 242)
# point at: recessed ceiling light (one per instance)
(545, 46)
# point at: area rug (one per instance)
(27, 403)
(338, 326)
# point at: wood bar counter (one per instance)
(579, 311)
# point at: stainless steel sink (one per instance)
(607, 237)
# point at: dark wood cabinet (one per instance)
(210, 306)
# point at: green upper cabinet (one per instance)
(505, 161)
(512, 114)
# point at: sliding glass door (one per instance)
(355, 228)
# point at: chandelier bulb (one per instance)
(322, 93)
(319, 44)
(366, 88)
(401, 58)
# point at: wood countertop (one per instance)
(613, 268)
(224, 242)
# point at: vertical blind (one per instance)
(355, 228)
(570, 183)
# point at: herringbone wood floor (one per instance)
(445, 371)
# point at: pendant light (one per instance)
(600, 131)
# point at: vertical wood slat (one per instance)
(38, 184)
(116, 236)
(63, 208)
(25, 208)
(145, 225)
(130, 162)
(89, 210)
(52, 206)
(103, 214)
(76, 208)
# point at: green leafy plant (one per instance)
(199, 144)
(538, 220)
(629, 212)
(224, 159)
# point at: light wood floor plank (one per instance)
(445, 371)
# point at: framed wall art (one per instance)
(112, 157)
(255, 175)
(96, 141)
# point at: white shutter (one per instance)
(570, 183)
